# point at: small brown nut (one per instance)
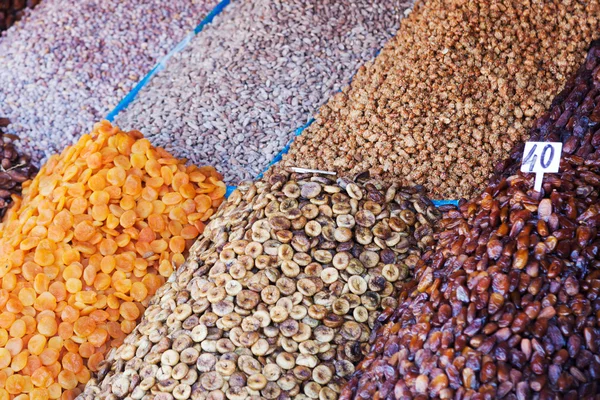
(270, 294)
(180, 371)
(247, 299)
(351, 330)
(189, 356)
(211, 380)
(271, 372)
(223, 308)
(247, 339)
(327, 393)
(354, 191)
(224, 345)
(288, 344)
(390, 272)
(298, 312)
(289, 327)
(287, 382)
(286, 360)
(330, 275)
(357, 284)
(263, 317)
(342, 234)
(225, 367)
(307, 360)
(182, 391)
(271, 391)
(323, 334)
(260, 348)
(309, 347)
(278, 314)
(360, 314)
(340, 307)
(170, 357)
(317, 311)
(344, 368)
(304, 333)
(206, 362)
(312, 228)
(341, 260)
(312, 389)
(307, 287)
(322, 374)
(257, 382)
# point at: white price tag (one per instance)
(541, 158)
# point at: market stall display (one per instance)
(238, 91)
(14, 168)
(506, 306)
(68, 63)
(126, 273)
(97, 232)
(451, 93)
(277, 299)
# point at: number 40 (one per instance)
(545, 159)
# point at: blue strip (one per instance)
(163, 62)
(439, 203)
(229, 190)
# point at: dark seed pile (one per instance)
(14, 169)
(507, 305)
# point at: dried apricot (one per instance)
(96, 233)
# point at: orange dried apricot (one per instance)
(97, 232)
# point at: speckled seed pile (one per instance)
(255, 75)
(507, 305)
(449, 96)
(69, 63)
(279, 297)
(98, 231)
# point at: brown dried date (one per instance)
(516, 314)
(14, 168)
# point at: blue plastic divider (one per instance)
(163, 61)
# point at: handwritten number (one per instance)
(547, 164)
(531, 158)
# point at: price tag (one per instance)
(541, 158)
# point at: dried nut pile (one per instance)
(12, 10)
(97, 232)
(14, 169)
(451, 94)
(507, 305)
(278, 299)
(69, 63)
(261, 69)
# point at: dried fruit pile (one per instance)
(451, 94)
(279, 297)
(246, 82)
(68, 63)
(507, 305)
(14, 169)
(95, 236)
